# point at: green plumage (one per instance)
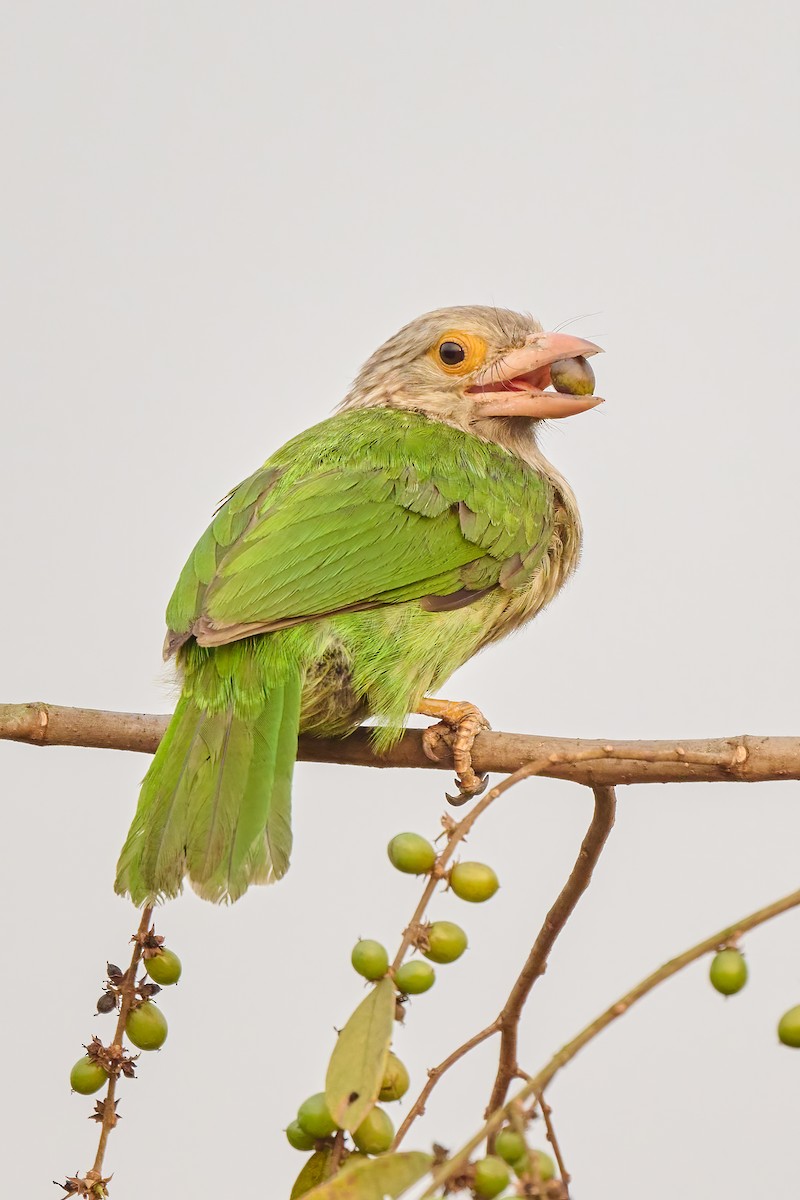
(306, 606)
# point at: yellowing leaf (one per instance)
(383, 1178)
(314, 1171)
(357, 1064)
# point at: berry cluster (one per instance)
(145, 1025)
(439, 942)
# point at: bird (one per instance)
(349, 577)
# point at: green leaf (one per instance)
(355, 1072)
(376, 1179)
(313, 1173)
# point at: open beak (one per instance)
(514, 385)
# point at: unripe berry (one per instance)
(296, 1136)
(728, 972)
(375, 1134)
(315, 1118)
(370, 959)
(414, 977)
(510, 1145)
(545, 1164)
(446, 942)
(411, 853)
(146, 1027)
(395, 1079)
(473, 881)
(491, 1176)
(789, 1027)
(164, 968)
(547, 1168)
(87, 1076)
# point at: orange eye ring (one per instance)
(458, 353)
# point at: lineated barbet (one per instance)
(349, 577)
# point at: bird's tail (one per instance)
(216, 802)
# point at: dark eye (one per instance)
(452, 353)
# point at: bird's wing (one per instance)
(370, 508)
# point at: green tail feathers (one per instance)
(216, 803)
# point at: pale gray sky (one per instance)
(212, 215)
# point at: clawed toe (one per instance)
(460, 724)
(435, 739)
(469, 784)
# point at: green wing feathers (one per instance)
(369, 508)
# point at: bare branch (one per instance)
(547, 1114)
(435, 1074)
(605, 805)
(745, 758)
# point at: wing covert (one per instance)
(340, 520)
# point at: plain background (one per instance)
(212, 215)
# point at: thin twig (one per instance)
(127, 996)
(544, 1077)
(435, 1074)
(547, 1113)
(336, 1153)
(536, 963)
(745, 758)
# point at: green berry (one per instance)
(87, 1076)
(789, 1027)
(411, 853)
(370, 959)
(315, 1118)
(491, 1176)
(547, 1168)
(510, 1145)
(375, 1134)
(146, 1026)
(446, 942)
(163, 968)
(728, 972)
(296, 1136)
(473, 881)
(414, 977)
(395, 1079)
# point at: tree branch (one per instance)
(602, 822)
(435, 1074)
(744, 758)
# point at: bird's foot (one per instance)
(459, 725)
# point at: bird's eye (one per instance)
(452, 353)
(458, 352)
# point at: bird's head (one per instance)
(476, 367)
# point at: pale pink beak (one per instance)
(513, 386)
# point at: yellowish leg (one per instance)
(459, 725)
